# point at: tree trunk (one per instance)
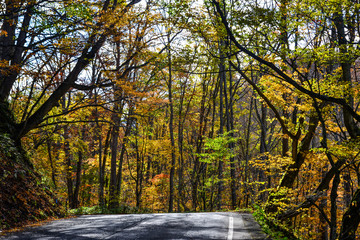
(122, 153)
(53, 173)
(293, 169)
(247, 148)
(102, 164)
(113, 201)
(139, 172)
(228, 96)
(222, 80)
(181, 153)
(68, 166)
(333, 210)
(349, 122)
(75, 201)
(171, 131)
(351, 219)
(263, 145)
(196, 171)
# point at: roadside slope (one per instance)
(23, 199)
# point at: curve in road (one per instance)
(217, 225)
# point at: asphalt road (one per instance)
(220, 225)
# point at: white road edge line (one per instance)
(231, 228)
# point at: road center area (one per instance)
(217, 225)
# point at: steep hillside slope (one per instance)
(23, 199)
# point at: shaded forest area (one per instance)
(176, 106)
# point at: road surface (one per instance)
(218, 225)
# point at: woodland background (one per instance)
(176, 106)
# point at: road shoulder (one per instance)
(253, 227)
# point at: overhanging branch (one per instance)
(285, 77)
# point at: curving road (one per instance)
(218, 225)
